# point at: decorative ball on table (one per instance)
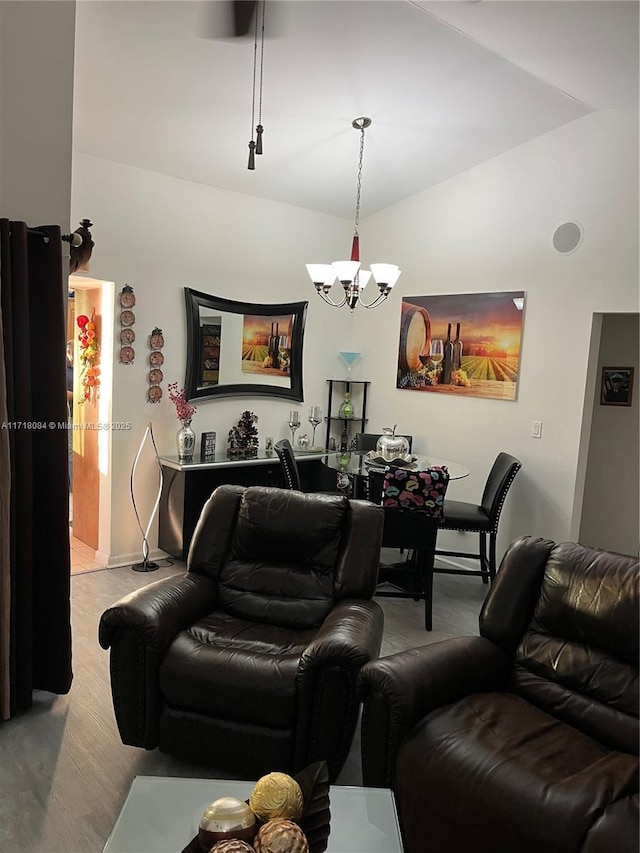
(226, 818)
(232, 845)
(276, 795)
(281, 836)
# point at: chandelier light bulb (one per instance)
(346, 271)
(385, 275)
(363, 279)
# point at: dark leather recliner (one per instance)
(525, 738)
(250, 661)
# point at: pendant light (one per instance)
(352, 278)
(255, 145)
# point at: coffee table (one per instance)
(161, 815)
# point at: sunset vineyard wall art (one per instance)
(266, 344)
(466, 344)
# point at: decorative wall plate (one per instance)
(127, 318)
(156, 358)
(156, 340)
(154, 393)
(127, 336)
(127, 354)
(127, 297)
(155, 376)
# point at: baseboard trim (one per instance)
(117, 561)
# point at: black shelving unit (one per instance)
(337, 389)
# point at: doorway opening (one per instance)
(90, 419)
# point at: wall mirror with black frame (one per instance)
(243, 348)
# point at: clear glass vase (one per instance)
(186, 441)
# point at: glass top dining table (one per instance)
(358, 465)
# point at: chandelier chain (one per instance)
(359, 184)
(264, 6)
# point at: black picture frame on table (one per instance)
(198, 304)
(208, 445)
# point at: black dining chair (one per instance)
(366, 441)
(482, 518)
(288, 463)
(289, 466)
(413, 528)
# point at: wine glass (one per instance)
(315, 417)
(436, 353)
(349, 359)
(282, 349)
(294, 423)
(425, 357)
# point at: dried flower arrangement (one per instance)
(184, 410)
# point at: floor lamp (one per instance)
(146, 565)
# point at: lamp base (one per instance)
(145, 566)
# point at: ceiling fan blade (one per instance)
(235, 19)
(243, 12)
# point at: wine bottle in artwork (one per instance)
(457, 349)
(270, 345)
(275, 348)
(447, 360)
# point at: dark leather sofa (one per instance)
(523, 739)
(250, 661)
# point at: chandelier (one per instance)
(348, 273)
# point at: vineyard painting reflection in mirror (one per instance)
(467, 344)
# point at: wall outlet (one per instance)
(536, 429)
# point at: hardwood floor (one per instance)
(64, 772)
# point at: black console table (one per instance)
(188, 485)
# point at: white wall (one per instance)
(36, 111)
(490, 229)
(160, 234)
(611, 507)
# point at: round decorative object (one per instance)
(127, 297)
(127, 336)
(155, 376)
(156, 358)
(415, 338)
(276, 795)
(232, 845)
(281, 836)
(227, 818)
(154, 393)
(390, 446)
(403, 460)
(156, 340)
(127, 354)
(567, 237)
(127, 318)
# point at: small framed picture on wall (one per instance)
(617, 386)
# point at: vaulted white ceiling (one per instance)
(448, 85)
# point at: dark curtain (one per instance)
(33, 318)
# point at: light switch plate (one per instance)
(536, 429)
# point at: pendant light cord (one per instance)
(264, 7)
(255, 145)
(253, 87)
